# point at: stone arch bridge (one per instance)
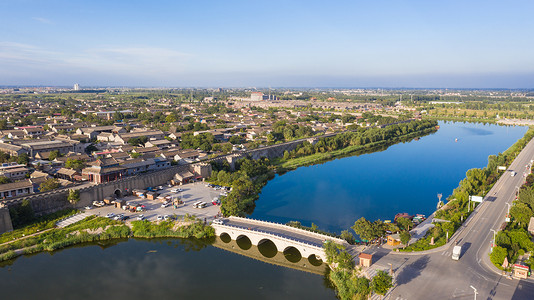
(282, 236)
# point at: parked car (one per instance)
(110, 215)
(166, 204)
(218, 221)
(160, 218)
(88, 207)
(140, 217)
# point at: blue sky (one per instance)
(454, 44)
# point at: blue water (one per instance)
(405, 178)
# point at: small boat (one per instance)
(402, 215)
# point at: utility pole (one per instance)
(469, 205)
(494, 235)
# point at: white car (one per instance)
(160, 218)
(110, 215)
(88, 207)
(140, 217)
(218, 221)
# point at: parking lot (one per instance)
(191, 193)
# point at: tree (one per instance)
(76, 164)
(4, 179)
(53, 155)
(498, 254)
(4, 157)
(405, 237)
(22, 214)
(23, 159)
(526, 195)
(404, 223)
(367, 230)
(362, 287)
(236, 139)
(381, 283)
(347, 236)
(344, 261)
(49, 184)
(286, 155)
(521, 213)
(171, 118)
(74, 196)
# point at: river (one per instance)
(404, 178)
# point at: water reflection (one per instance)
(267, 252)
(161, 269)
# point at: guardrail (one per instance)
(271, 234)
(286, 227)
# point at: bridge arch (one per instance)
(243, 242)
(267, 248)
(117, 193)
(292, 254)
(225, 237)
(315, 260)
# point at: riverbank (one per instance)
(318, 158)
(461, 119)
(477, 183)
(95, 228)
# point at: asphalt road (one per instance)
(434, 275)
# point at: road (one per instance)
(276, 229)
(434, 275)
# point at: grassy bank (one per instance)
(348, 151)
(462, 119)
(37, 225)
(94, 229)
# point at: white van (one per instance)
(456, 251)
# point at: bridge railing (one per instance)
(286, 227)
(271, 234)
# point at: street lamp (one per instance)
(475, 292)
(494, 233)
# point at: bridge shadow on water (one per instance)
(267, 252)
(413, 270)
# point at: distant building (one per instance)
(259, 96)
(8, 190)
(76, 87)
(13, 170)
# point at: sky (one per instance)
(262, 43)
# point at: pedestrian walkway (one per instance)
(420, 230)
(71, 220)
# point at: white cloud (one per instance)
(17, 59)
(43, 20)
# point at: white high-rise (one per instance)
(76, 87)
